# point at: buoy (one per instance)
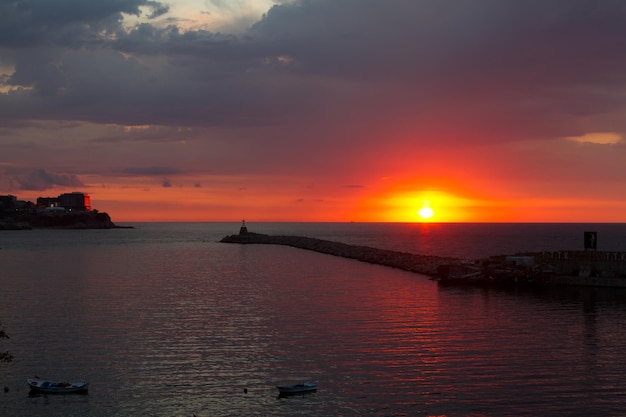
(6, 389)
(245, 390)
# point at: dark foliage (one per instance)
(5, 356)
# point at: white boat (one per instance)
(297, 388)
(37, 384)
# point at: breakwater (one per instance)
(421, 264)
(593, 269)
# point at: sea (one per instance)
(164, 320)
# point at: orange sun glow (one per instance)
(426, 212)
(400, 204)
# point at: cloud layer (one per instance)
(342, 93)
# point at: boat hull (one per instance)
(296, 389)
(53, 387)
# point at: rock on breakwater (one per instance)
(422, 264)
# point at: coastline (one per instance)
(70, 220)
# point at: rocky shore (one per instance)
(75, 220)
(422, 264)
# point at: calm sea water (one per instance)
(165, 321)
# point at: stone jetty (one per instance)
(422, 264)
(588, 268)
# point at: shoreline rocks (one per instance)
(12, 224)
(69, 220)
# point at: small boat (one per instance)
(297, 388)
(37, 384)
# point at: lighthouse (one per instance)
(243, 229)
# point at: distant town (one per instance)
(75, 201)
(68, 210)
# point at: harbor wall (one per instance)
(577, 268)
(422, 264)
(584, 263)
(583, 281)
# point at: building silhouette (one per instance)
(75, 201)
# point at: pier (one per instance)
(578, 268)
(421, 264)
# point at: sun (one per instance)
(426, 212)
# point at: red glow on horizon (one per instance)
(390, 200)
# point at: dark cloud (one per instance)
(155, 170)
(486, 64)
(40, 179)
(154, 134)
(430, 60)
(319, 87)
(28, 23)
(157, 9)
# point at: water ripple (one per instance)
(170, 328)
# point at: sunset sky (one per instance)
(318, 110)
